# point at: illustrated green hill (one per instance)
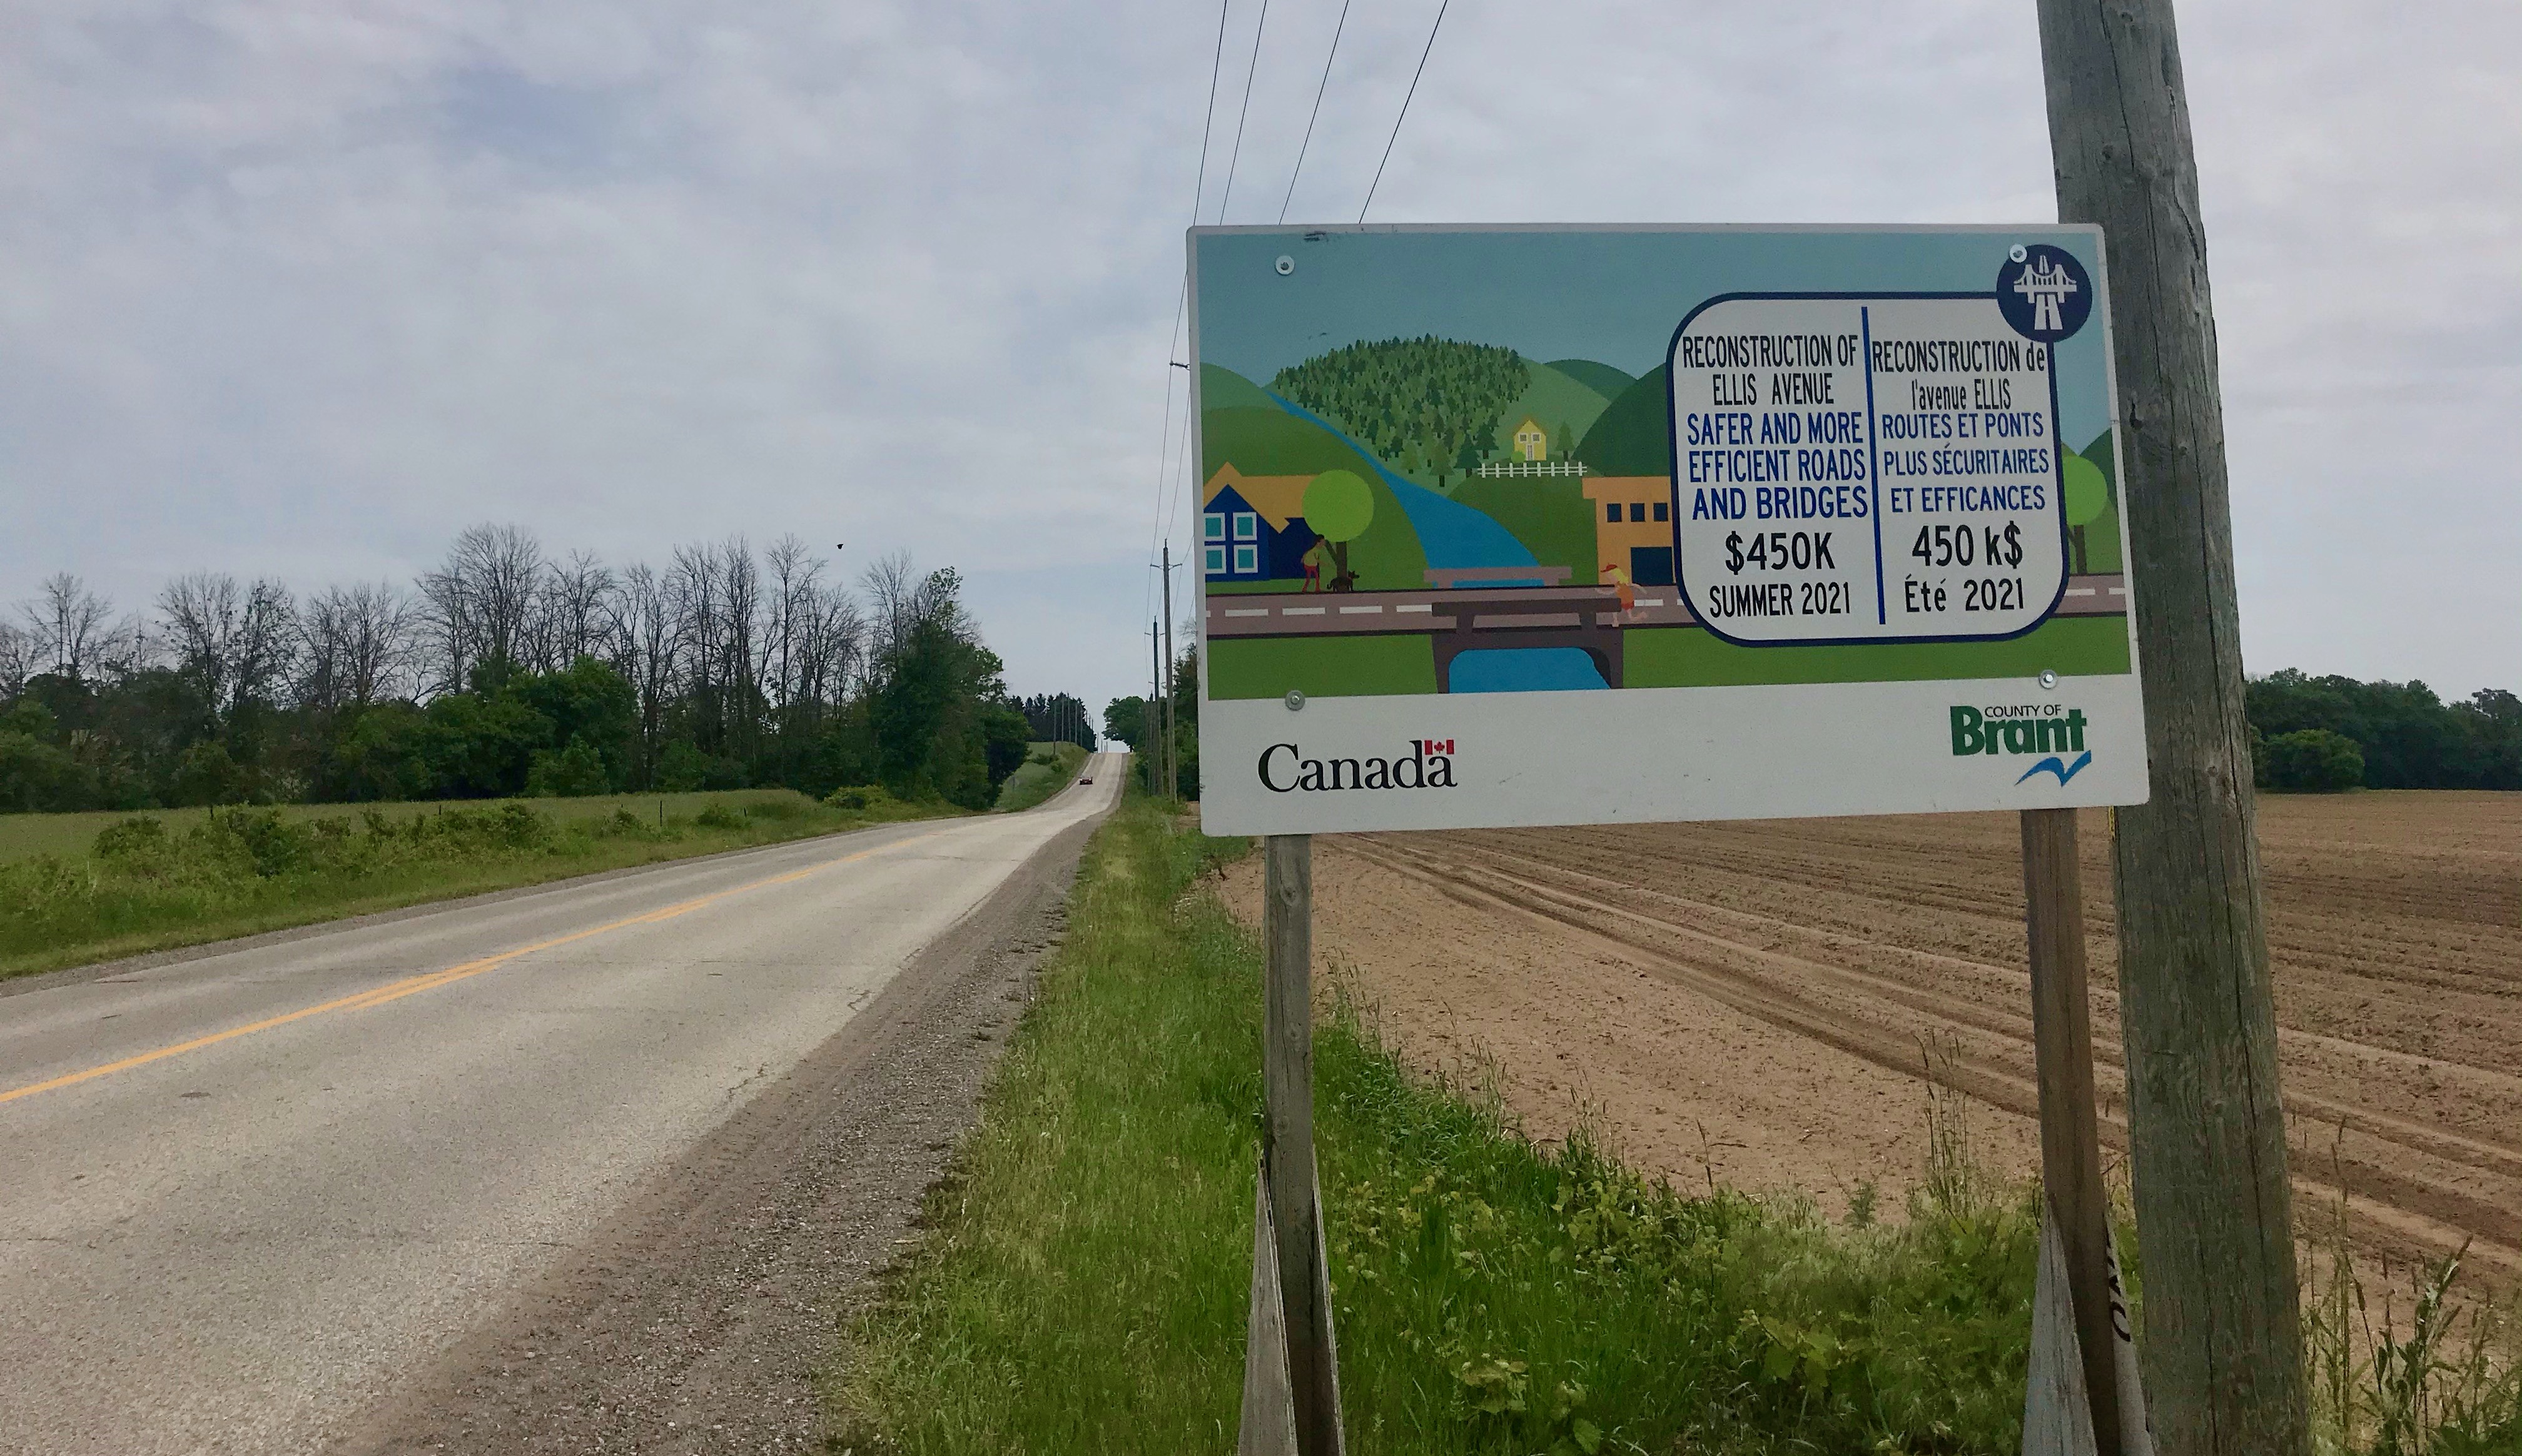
(1550, 516)
(1553, 399)
(1224, 388)
(1602, 379)
(1634, 436)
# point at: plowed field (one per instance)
(1751, 1003)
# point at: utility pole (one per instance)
(1173, 767)
(2223, 1348)
(1147, 720)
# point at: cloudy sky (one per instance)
(301, 287)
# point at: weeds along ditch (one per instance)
(1081, 1280)
(146, 884)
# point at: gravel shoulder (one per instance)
(696, 1320)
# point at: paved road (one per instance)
(244, 1194)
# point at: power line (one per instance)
(1208, 118)
(1317, 112)
(1156, 525)
(1249, 71)
(1405, 108)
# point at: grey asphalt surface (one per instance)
(241, 1246)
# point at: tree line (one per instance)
(2333, 732)
(1135, 721)
(506, 669)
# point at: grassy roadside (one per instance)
(143, 885)
(1046, 769)
(1082, 1283)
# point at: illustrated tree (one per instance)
(1338, 507)
(2088, 494)
(1418, 404)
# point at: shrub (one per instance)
(2313, 761)
(720, 817)
(573, 773)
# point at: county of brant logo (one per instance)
(2026, 728)
(1430, 764)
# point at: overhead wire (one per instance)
(1325, 86)
(1405, 108)
(1226, 195)
(1156, 523)
(1249, 70)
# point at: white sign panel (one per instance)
(1531, 526)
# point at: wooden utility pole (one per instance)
(1173, 767)
(2071, 1144)
(2224, 1347)
(1290, 1191)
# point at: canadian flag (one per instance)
(1433, 745)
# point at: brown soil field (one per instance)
(1751, 1003)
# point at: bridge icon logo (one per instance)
(2044, 293)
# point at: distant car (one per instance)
(1089, 778)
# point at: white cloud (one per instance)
(299, 287)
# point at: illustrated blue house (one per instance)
(1251, 527)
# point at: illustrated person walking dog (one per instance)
(1315, 555)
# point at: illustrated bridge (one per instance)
(1538, 609)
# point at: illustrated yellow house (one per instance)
(1633, 525)
(1531, 441)
(1252, 527)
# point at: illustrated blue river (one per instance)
(1457, 535)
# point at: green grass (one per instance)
(1081, 1282)
(153, 882)
(1690, 657)
(1322, 667)
(1046, 769)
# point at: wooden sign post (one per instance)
(2078, 1205)
(1291, 1364)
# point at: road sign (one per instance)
(1642, 524)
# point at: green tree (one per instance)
(2313, 761)
(589, 704)
(1125, 719)
(2088, 494)
(1338, 506)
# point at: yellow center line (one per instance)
(433, 979)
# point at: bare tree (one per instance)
(237, 642)
(570, 612)
(17, 659)
(642, 627)
(72, 627)
(811, 637)
(893, 589)
(356, 645)
(481, 602)
(830, 651)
